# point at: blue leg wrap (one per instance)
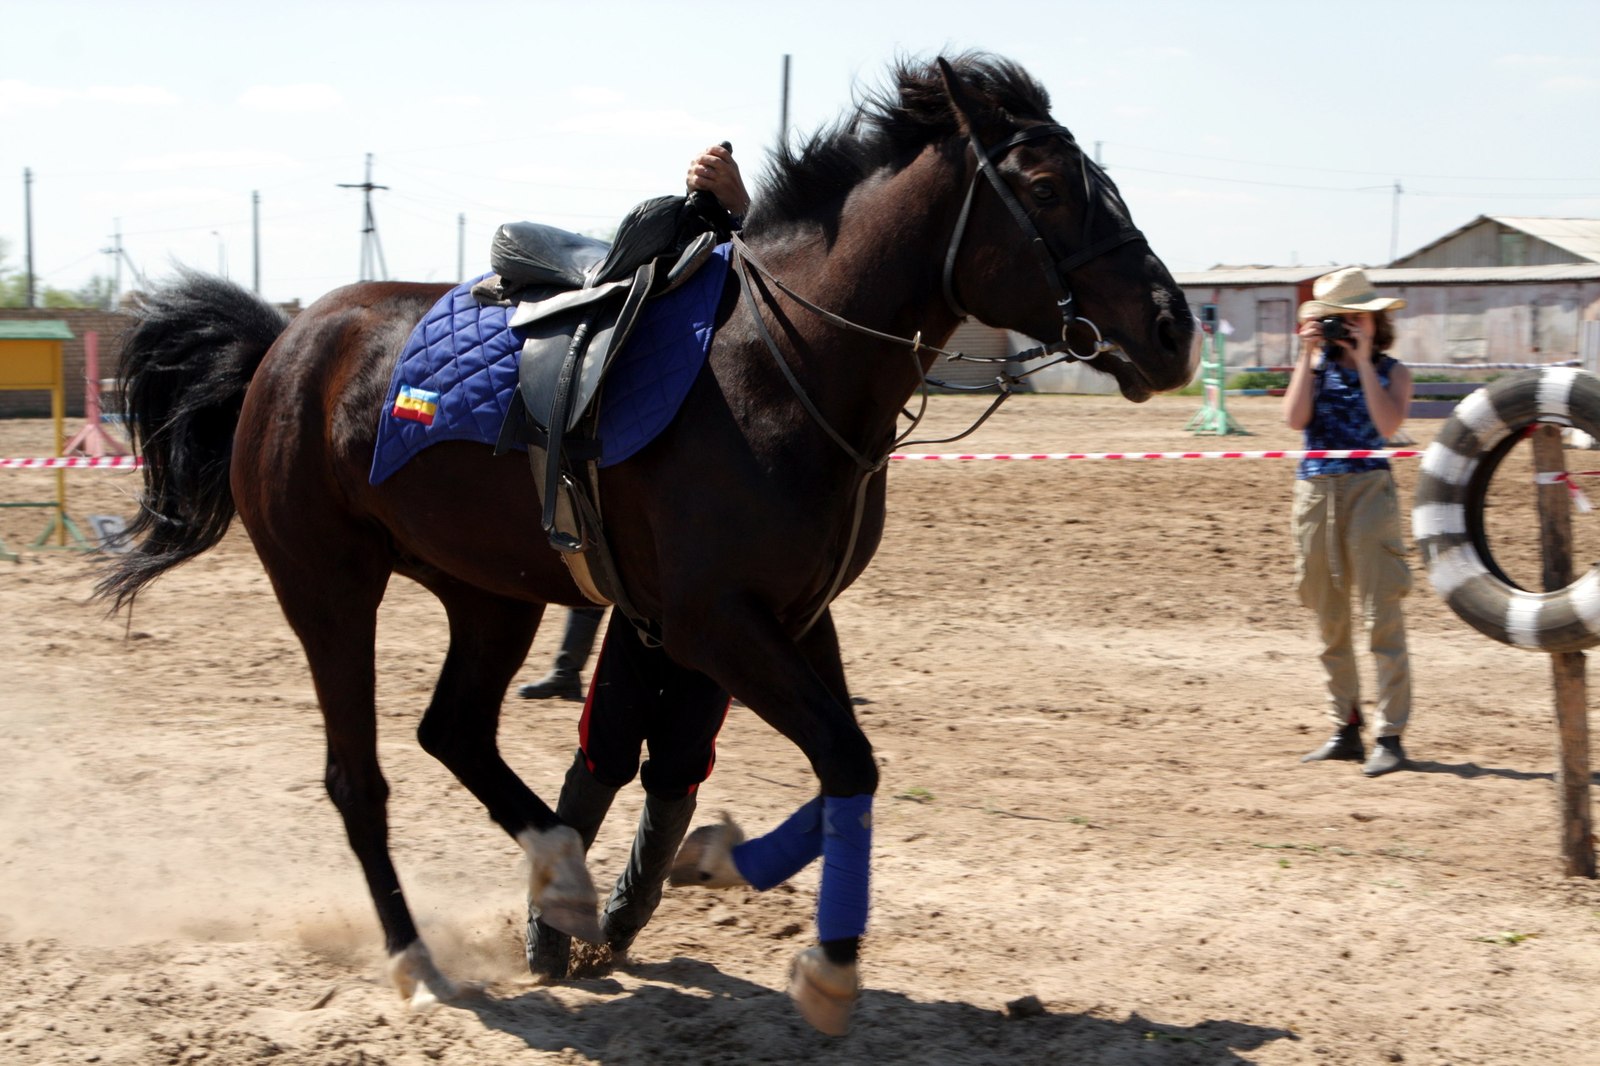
(771, 860)
(846, 862)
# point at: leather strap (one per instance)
(1054, 267)
(560, 413)
(860, 460)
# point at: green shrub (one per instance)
(1259, 379)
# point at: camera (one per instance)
(1334, 328)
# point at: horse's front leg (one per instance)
(489, 638)
(799, 690)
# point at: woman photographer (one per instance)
(1347, 392)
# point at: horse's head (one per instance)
(1045, 246)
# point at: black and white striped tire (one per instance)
(1447, 518)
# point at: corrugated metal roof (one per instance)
(1580, 236)
(37, 329)
(1381, 276)
(1483, 275)
(1251, 275)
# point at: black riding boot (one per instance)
(662, 826)
(583, 805)
(1345, 744)
(563, 681)
(1387, 756)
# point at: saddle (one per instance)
(577, 300)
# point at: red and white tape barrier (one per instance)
(1320, 453)
(1564, 477)
(133, 462)
(93, 462)
(1434, 366)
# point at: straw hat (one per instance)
(1344, 291)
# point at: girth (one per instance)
(572, 337)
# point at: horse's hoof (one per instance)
(706, 858)
(824, 992)
(419, 981)
(574, 919)
(559, 884)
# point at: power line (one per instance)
(1120, 168)
(1330, 170)
(1506, 195)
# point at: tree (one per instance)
(14, 288)
(100, 292)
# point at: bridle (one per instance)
(1055, 267)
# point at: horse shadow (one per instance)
(688, 1011)
(1470, 770)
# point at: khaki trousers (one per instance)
(1347, 541)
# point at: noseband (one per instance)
(1055, 267)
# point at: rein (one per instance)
(1054, 267)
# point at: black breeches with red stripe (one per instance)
(641, 701)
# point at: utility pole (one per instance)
(1394, 223)
(27, 211)
(255, 241)
(115, 252)
(119, 256)
(461, 248)
(783, 111)
(371, 249)
(1097, 145)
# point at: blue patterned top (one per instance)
(1339, 419)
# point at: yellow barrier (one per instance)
(30, 361)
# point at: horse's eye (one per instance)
(1043, 192)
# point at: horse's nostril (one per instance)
(1167, 334)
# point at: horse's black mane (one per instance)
(888, 128)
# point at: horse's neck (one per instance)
(881, 270)
(885, 262)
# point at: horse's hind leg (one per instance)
(330, 598)
(489, 639)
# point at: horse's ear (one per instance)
(973, 113)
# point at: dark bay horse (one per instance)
(952, 192)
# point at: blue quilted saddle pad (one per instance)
(457, 373)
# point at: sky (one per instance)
(1239, 131)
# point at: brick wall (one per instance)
(108, 324)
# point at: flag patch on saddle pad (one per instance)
(416, 405)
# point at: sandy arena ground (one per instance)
(1089, 684)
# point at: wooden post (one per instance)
(1567, 667)
(92, 439)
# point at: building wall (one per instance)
(1515, 322)
(108, 324)
(1441, 323)
(1256, 322)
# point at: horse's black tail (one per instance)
(186, 363)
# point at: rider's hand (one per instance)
(715, 172)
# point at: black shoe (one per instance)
(1345, 744)
(1387, 757)
(556, 686)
